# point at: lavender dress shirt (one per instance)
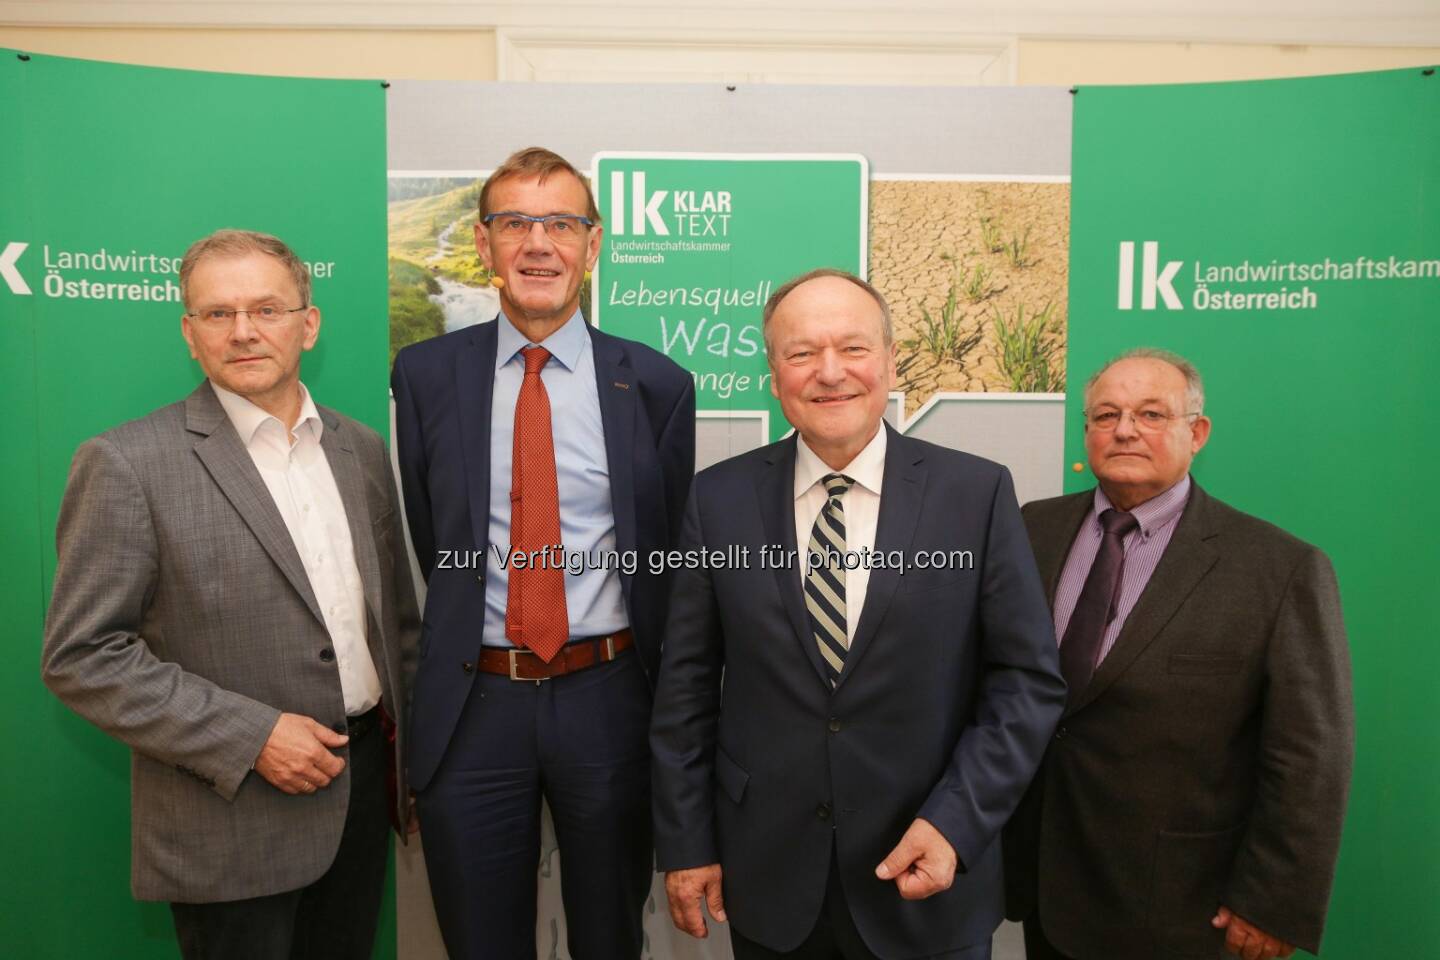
(1143, 550)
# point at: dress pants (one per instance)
(580, 741)
(331, 919)
(835, 936)
(1037, 945)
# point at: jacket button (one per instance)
(326, 655)
(834, 724)
(1060, 734)
(468, 667)
(480, 578)
(823, 811)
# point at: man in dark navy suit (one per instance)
(542, 461)
(883, 714)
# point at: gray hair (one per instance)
(887, 328)
(1194, 386)
(237, 243)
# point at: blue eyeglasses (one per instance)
(560, 227)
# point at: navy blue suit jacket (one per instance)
(950, 692)
(443, 390)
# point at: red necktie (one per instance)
(535, 613)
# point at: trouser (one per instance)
(580, 741)
(331, 919)
(1037, 945)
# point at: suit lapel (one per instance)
(1188, 558)
(900, 501)
(1052, 552)
(475, 388)
(234, 472)
(335, 440)
(617, 388)
(776, 491)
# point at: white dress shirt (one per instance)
(862, 511)
(299, 479)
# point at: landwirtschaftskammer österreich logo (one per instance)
(1250, 284)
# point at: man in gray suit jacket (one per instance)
(233, 601)
(1192, 797)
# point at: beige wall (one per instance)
(1068, 62)
(381, 54)
(468, 54)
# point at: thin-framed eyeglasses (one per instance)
(560, 227)
(268, 315)
(1147, 420)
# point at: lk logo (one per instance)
(644, 207)
(8, 273)
(1153, 280)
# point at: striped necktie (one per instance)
(825, 582)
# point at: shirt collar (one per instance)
(564, 344)
(1155, 513)
(248, 418)
(867, 469)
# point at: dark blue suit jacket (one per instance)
(442, 391)
(950, 692)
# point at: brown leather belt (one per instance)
(520, 664)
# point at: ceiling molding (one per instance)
(566, 55)
(1323, 22)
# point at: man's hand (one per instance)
(686, 889)
(922, 863)
(1246, 940)
(297, 757)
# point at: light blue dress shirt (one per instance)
(593, 596)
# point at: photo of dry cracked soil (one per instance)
(975, 274)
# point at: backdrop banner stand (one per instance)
(111, 172)
(1285, 236)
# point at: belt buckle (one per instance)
(514, 668)
(610, 647)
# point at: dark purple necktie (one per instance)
(1080, 648)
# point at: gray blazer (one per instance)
(1209, 759)
(183, 624)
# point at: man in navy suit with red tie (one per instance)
(540, 459)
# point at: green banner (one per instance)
(695, 243)
(1285, 236)
(110, 172)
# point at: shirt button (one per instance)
(327, 655)
(823, 811)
